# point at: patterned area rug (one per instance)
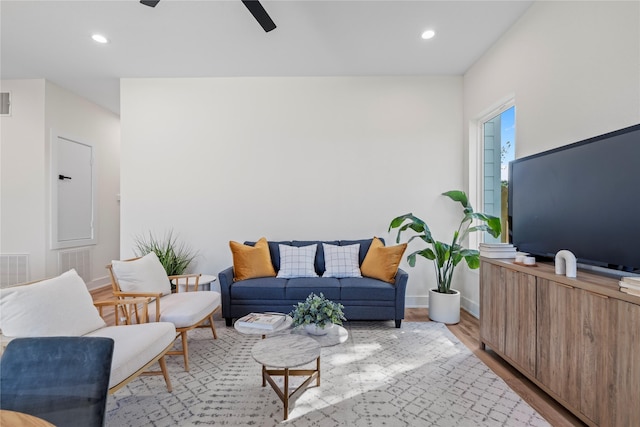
(418, 375)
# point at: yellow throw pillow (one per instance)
(250, 262)
(382, 261)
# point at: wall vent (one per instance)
(5, 103)
(14, 269)
(80, 259)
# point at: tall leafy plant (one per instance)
(446, 256)
(174, 256)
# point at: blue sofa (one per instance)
(363, 298)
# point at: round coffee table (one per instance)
(284, 352)
(336, 335)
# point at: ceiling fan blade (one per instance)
(150, 3)
(260, 14)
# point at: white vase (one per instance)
(444, 308)
(314, 329)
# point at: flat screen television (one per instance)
(583, 197)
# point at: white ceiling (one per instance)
(181, 38)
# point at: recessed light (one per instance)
(429, 34)
(99, 38)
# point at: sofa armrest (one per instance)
(402, 277)
(225, 277)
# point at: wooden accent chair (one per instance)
(63, 306)
(145, 277)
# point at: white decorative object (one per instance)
(314, 329)
(566, 263)
(529, 260)
(444, 308)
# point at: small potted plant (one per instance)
(317, 314)
(444, 302)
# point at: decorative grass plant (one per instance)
(174, 256)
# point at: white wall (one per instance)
(219, 159)
(22, 174)
(37, 107)
(573, 69)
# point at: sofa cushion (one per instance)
(251, 261)
(299, 289)
(382, 261)
(366, 289)
(145, 274)
(320, 263)
(64, 302)
(297, 261)
(268, 288)
(364, 247)
(185, 309)
(341, 261)
(134, 346)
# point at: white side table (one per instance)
(204, 284)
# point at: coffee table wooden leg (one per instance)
(264, 376)
(286, 393)
(318, 369)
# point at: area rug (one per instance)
(418, 375)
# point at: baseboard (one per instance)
(416, 301)
(471, 307)
(99, 283)
(422, 301)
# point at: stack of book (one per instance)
(266, 321)
(630, 285)
(497, 250)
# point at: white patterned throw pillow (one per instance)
(297, 261)
(341, 261)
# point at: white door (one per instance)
(73, 184)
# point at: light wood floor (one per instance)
(468, 332)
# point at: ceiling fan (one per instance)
(254, 7)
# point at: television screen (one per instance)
(583, 197)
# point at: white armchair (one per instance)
(145, 277)
(63, 306)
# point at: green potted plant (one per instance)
(446, 256)
(175, 257)
(317, 314)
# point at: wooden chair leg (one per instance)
(185, 350)
(165, 373)
(213, 327)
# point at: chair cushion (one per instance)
(382, 261)
(297, 261)
(135, 346)
(61, 306)
(251, 261)
(341, 261)
(145, 274)
(185, 309)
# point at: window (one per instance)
(498, 140)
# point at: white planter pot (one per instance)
(314, 329)
(444, 308)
